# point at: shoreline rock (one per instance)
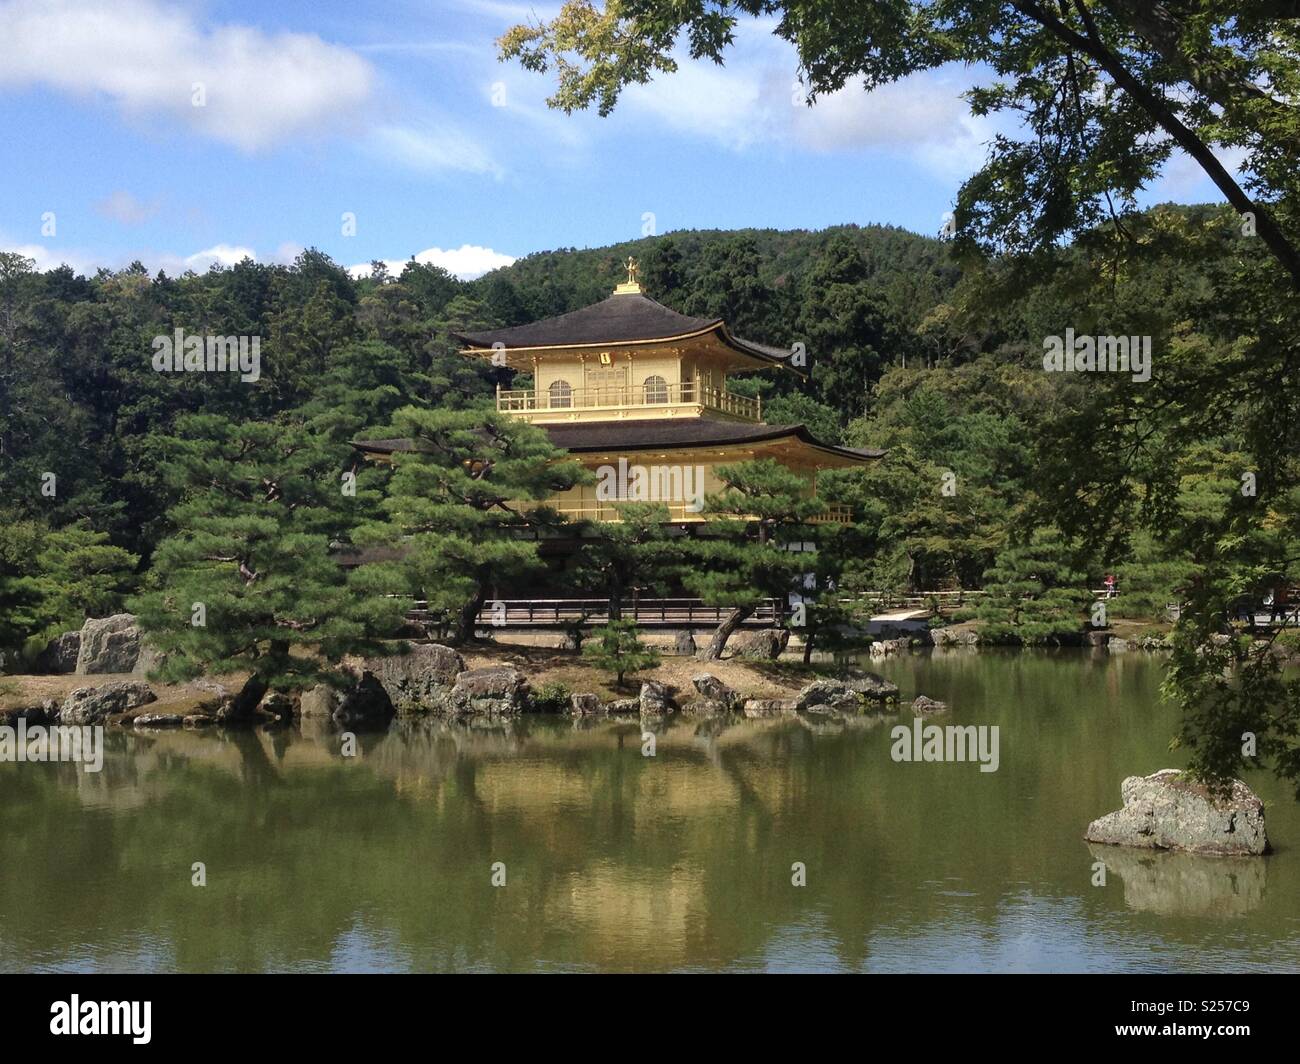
(420, 680)
(714, 690)
(94, 705)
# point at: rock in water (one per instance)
(319, 702)
(1168, 811)
(684, 644)
(91, 705)
(954, 637)
(769, 707)
(585, 704)
(418, 681)
(833, 694)
(874, 686)
(924, 707)
(705, 707)
(655, 700)
(110, 644)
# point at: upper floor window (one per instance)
(561, 394)
(656, 390)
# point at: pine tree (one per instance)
(247, 582)
(81, 575)
(20, 595)
(636, 552)
(1033, 594)
(461, 502)
(742, 560)
(616, 647)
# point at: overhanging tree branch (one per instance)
(1155, 105)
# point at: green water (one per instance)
(616, 861)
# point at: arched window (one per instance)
(656, 390)
(561, 394)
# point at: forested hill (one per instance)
(941, 365)
(758, 279)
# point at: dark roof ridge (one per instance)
(659, 433)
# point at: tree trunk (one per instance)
(250, 695)
(733, 620)
(807, 646)
(468, 618)
(615, 596)
(248, 699)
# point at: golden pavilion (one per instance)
(627, 383)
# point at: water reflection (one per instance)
(1186, 884)
(619, 861)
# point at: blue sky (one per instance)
(400, 114)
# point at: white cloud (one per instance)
(258, 88)
(922, 115)
(466, 262)
(732, 106)
(756, 102)
(123, 207)
(48, 259)
(220, 255)
(434, 148)
(87, 263)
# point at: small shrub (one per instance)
(551, 697)
(615, 648)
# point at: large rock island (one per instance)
(1169, 810)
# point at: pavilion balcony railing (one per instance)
(688, 393)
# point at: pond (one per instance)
(550, 846)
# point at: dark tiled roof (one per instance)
(613, 320)
(664, 433)
(683, 432)
(621, 318)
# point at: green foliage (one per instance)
(616, 647)
(247, 581)
(636, 552)
(1033, 594)
(81, 575)
(20, 597)
(457, 501)
(551, 697)
(51, 581)
(742, 558)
